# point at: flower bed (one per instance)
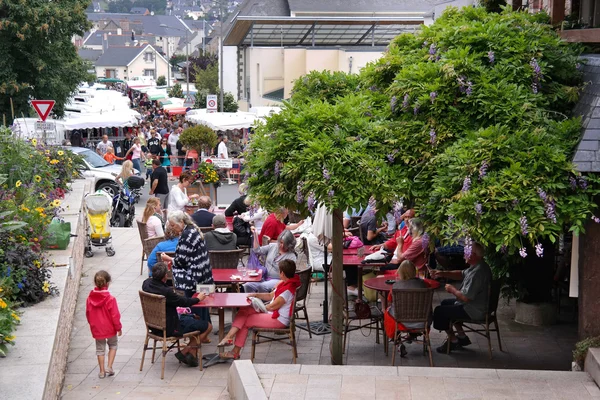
(33, 181)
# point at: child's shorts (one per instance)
(101, 345)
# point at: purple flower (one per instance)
(372, 204)
(299, 195)
(466, 184)
(583, 182)
(595, 219)
(266, 173)
(432, 137)
(331, 193)
(252, 208)
(391, 158)
(450, 219)
(469, 89)
(416, 109)
(425, 241)
(277, 169)
(326, 174)
(504, 249)
(536, 68)
(468, 248)
(432, 96)
(432, 49)
(573, 182)
(478, 208)
(483, 169)
(246, 176)
(534, 88)
(524, 227)
(539, 250)
(491, 56)
(311, 202)
(393, 102)
(373, 88)
(515, 203)
(523, 252)
(542, 194)
(551, 211)
(425, 43)
(397, 211)
(405, 101)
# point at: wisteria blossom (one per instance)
(523, 252)
(311, 202)
(595, 219)
(299, 195)
(524, 227)
(331, 193)
(483, 169)
(405, 101)
(393, 103)
(491, 56)
(466, 184)
(478, 209)
(277, 169)
(425, 241)
(326, 174)
(468, 248)
(539, 250)
(432, 137)
(432, 96)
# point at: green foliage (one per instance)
(9, 319)
(37, 58)
(176, 91)
(581, 348)
(229, 103)
(161, 81)
(476, 96)
(199, 137)
(493, 5)
(207, 78)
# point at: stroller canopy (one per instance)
(98, 203)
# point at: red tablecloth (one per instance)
(355, 251)
(224, 275)
(353, 259)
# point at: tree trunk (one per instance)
(337, 326)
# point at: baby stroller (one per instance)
(98, 210)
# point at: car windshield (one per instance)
(93, 159)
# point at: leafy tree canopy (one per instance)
(465, 119)
(207, 78)
(161, 81)
(37, 58)
(176, 91)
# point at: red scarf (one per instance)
(291, 284)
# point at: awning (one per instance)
(225, 121)
(157, 96)
(177, 111)
(101, 120)
(110, 80)
(164, 102)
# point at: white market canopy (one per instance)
(102, 120)
(264, 111)
(225, 121)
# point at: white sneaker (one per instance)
(231, 182)
(353, 292)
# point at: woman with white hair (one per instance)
(191, 264)
(415, 252)
(283, 249)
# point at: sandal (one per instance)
(109, 372)
(225, 342)
(206, 341)
(228, 355)
(101, 375)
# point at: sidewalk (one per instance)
(525, 347)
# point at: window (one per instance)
(149, 57)
(110, 73)
(149, 72)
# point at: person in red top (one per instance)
(274, 225)
(110, 156)
(392, 243)
(103, 315)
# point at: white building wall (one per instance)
(230, 71)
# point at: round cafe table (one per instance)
(378, 283)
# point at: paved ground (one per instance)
(525, 347)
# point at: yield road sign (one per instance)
(43, 107)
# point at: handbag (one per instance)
(59, 235)
(255, 264)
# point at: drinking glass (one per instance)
(244, 270)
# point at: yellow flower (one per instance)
(39, 210)
(55, 203)
(46, 287)
(34, 142)
(2, 304)
(61, 153)
(15, 316)
(42, 195)
(18, 184)
(47, 152)
(54, 161)
(43, 215)
(37, 178)
(1, 290)
(37, 263)
(25, 208)
(9, 338)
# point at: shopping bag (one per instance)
(59, 235)
(254, 263)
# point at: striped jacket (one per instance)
(191, 264)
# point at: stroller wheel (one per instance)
(89, 254)
(110, 251)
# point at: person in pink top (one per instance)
(103, 315)
(136, 154)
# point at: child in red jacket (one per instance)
(104, 318)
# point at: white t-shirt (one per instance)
(222, 150)
(284, 311)
(154, 227)
(103, 147)
(177, 199)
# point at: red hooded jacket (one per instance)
(102, 314)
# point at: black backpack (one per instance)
(241, 228)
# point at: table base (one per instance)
(213, 359)
(226, 327)
(316, 328)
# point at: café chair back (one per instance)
(143, 231)
(149, 244)
(484, 327)
(155, 318)
(412, 306)
(301, 295)
(225, 259)
(276, 335)
(375, 321)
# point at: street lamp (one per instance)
(187, 55)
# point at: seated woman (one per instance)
(274, 253)
(280, 310)
(415, 252)
(169, 245)
(406, 279)
(153, 218)
(274, 225)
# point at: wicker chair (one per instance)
(225, 259)
(490, 318)
(301, 294)
(350, 316)
(143, 230)
(413, 305)
(155, 317)
(283, 333)
(169, 271)
(150, 243)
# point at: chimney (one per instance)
(119, 31)
(104, 42)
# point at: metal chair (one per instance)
(155, 318)
(349, 316)
(301, 294)
(143, 231)
(490, 318)
(412, 305)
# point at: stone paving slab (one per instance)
(547, 348)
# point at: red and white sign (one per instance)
(43, 107)
(211, 103)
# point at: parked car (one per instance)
(104, 174)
